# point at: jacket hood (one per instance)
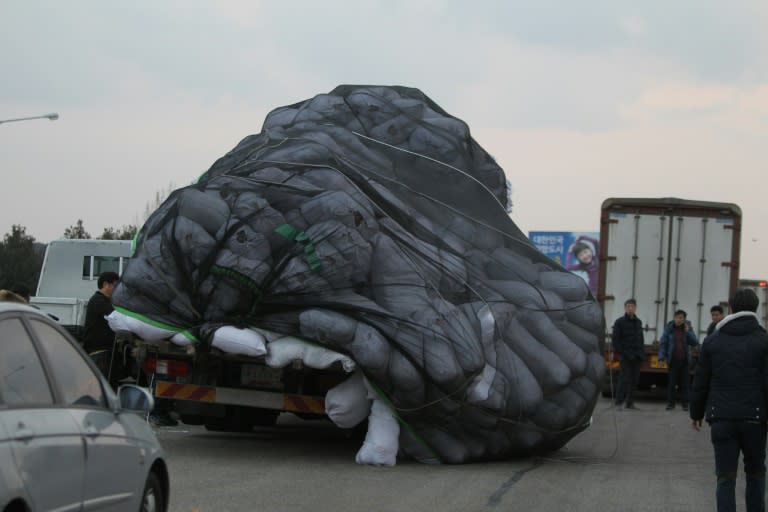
(738, 323)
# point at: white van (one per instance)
(70, 271)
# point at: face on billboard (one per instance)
(585, 256)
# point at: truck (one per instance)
(760, 287)
(69, 274)
(230, 393)
(222, 391)
(667, 254)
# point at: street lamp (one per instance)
(53, 116)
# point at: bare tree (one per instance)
(123, 233)
(160, 197)
(77, 231)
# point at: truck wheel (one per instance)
(192, 419)
(264, 417)
(227, 425)
(242, 419)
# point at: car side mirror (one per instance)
(135, 399)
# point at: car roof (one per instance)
(6, 306)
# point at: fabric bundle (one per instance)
(368, 222)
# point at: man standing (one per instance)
(629, 343)
(716, 312)
(731, 386)
(673, 347)
(99, 338)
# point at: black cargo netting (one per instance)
(369, 221)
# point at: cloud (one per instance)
(624, 98)
(667, 101)
(634, 26)
(561, 177)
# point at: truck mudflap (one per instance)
(244, 397)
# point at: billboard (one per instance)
(577, 251)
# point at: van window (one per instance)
(93, 266)
(105, 264)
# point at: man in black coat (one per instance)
(717, 314)
(99, 338)
(629, 343)
(730, 390)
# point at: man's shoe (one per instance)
(685, 407)
(631, 406)
(672, 406)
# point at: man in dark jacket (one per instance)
(717, 314)
(629, 343)
(673, 347)
(99, 338)
(730, 389)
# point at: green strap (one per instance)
(239, 278)
(191, 337)
(154, 323)
(300, 237)
(135, 242)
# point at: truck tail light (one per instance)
(170, 367)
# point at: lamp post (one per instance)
(53, 116)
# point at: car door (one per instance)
(11, 486)
(47, 447)
(115, 467)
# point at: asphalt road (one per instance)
(645, 460)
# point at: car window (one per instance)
(79, 384)
(22, 379)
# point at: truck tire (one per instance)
(265, 417)
(227, 425)
(242, 419)
(193, 419)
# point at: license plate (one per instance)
(258, 376)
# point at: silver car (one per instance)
(67, 442)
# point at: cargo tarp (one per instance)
(368, 221)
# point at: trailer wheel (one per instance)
(265, 417)
(227, 425)
(242, 419)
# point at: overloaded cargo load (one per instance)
(369, 224)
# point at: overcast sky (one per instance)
(578, 101)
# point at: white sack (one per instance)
(245, 342)
(284, 350)
(180, 339)
(120, 322)
(381, 444)
(347, 404)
